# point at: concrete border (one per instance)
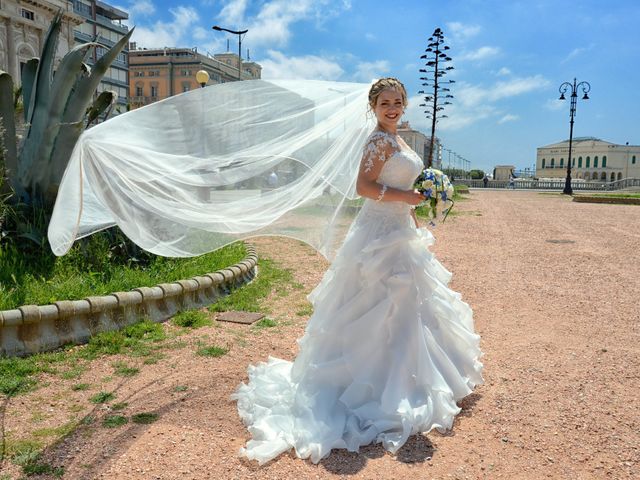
(39, 328)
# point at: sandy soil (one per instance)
(554, 288)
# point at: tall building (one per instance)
(419, 143)
(591, 159)
(23, 26)
(163, 72)
(103, 23)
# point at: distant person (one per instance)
(273, 180)
(512, 181)
(485, 180)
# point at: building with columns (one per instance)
(163, 72)
(23, 26)
(419, 143)
(591, 159)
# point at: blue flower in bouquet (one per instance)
(436, 187)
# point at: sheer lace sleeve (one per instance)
(379, 147)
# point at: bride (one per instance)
(389, 349)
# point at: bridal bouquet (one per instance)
(437, 188)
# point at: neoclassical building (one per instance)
(419, 143)
(591, 159)
(23, 26)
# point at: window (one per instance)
(28, 14)
(154, 73)
(562, 162)
(595, 162)
(186, 87)
(553, 161)
(573, 162)
(604, 161)
(139, 91)
(138, 74)
(588, 162)
(543, 160)
(186, 73)
(154, 90)
(579, 162)
(633, 160)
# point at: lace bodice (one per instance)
(400, 170)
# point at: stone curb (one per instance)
(39, 328)
(609, 200)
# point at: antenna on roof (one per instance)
(248, 57)
(227, 45)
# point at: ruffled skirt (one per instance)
(387, 353)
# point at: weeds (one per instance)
(192, 319)
(212, 351)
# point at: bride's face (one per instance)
(389, 108)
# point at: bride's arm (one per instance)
(375, 154)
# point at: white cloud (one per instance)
(272, 23)
(141, 8)
(475, 103)
(577, 52)
(367, 71)
(555, 104)
(233, 12)
(460, 31)
(508, 118)
(310, 67)
(168, 34)
(481, 53)
(370, 36)
(504, 71)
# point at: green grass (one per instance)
(265, 323)
(212, 351)
(144, 418)
(123, 370)
(613, 195)
(180, 388)
(116, 407)
(270, 279)
(114, 421)
(102, 397)
(192, 319)
(37, 277)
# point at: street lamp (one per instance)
(202, 77)
(239, 33)
(572, 112)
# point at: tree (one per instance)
(438, 92)
(477, 174)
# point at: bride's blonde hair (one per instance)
(383, 84)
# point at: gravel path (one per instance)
(554, 288)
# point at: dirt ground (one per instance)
(555, 292)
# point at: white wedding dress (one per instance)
(388, 350)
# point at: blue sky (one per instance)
(510, 57)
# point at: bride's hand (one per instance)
(413, 197)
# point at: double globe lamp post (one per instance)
(564, 88)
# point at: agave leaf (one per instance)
(105, 100)
(61, 88)
(39, 106)
(28, 78)
(8, 122)
(85, 88)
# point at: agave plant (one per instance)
(56, 111)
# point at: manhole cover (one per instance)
(240, 317)
(560, 241)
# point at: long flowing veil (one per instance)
(199, 170)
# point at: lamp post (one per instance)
(564, 88)
(202, 77)
(239, 33)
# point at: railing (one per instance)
(557, 184)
